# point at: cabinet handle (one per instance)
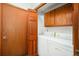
(77, 50)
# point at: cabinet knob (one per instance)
(77, 50)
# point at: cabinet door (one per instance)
(0, 27)
(52, 18)
(60, 16)
(47, 19)
(14, 31)
(63, 15)
(68, 10)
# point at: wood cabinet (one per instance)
(75, 19)
(69, 12)
(49, 18)
(61, 16)
(32, 33)
(52, 17)
(0, 27)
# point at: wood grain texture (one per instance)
(52, 18)
(15, 31)
(61, 16)
(69, 11)
(75, 18)
(47, 18)
(78, 28)
(32, 33)
(18, 29)
(0, 26)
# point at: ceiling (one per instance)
(47, 7)
(25, 5)
(50, 6)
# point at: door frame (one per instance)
(75, 18)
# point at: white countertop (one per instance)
(61, 41)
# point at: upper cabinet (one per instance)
(52, 17)
(69, 11)
(59, 17)
(49, 19)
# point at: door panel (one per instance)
(30, 48)
(14, 30)
(32, 27)
(35, 47)
(32, 16)
(32, 33)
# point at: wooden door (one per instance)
(0, 26)
(32, 33)
(32, 40)
(14, 31)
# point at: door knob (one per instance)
(4, 37)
